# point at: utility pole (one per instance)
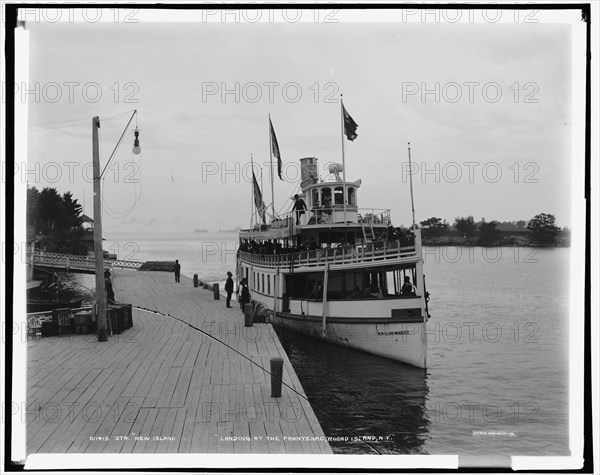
(98, 251)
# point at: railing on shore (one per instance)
(48, 313)
(359, 253)
(72, 262)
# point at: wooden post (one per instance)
(98, 251)
(276, 376)
(31, 263)
(276, 283)
(195, 280)
(324, 319)
(216, 294)
(248, 317)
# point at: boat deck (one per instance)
(164, 386)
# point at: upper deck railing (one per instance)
(375, 251)
(333, 214)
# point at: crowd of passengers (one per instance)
(275, 247)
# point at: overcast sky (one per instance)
(491, 136)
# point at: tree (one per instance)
(54, 221)
(49, 209)
(507, 226)
(521, 225)
(70, 215)
(543, 230)
(488, 234)
(32, 217)
(465, 226)
(434, 227)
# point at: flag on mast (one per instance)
(258, 200)
(349, 125)
(275, 149)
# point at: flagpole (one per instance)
(252, 194)
(271, 168)
(343, 156)
(261, 182)
(412, 202)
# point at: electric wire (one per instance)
(73, 122)
(60, 122)
(111, 212)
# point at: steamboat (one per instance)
(338, 272)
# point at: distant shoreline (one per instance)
(504, 240)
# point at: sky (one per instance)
(486, 106)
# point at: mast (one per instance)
(412, 202)
(343, 157)
(271, 169)
(261, 184)
(252, 194)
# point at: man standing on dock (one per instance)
(229, 288)
(177, 270)
(110, 293)
(245, 293)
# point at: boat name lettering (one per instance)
(399, 332)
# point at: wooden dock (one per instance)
(165, 387)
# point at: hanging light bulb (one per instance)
(136, 143)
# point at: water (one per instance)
(497, 376)
(210, 255)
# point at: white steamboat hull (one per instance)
(397, 340)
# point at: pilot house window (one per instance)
(351, 196)
(339, 195)
(326, 197)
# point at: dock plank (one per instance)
(200, 392)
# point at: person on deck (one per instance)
(408, 288)
(177, 270)
(299, 207)
(375, 290)
(110, 293)
(317, 290)
(245, 293)
(229, 288)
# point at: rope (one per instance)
(263, 369)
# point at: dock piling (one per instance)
(276, 376)
(195, 280)
(248, 315)
(216, 291)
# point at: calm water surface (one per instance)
(496, 381)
